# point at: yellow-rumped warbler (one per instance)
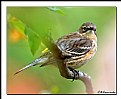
(77, 48)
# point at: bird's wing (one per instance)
(74, 46)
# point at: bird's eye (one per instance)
(84, 28)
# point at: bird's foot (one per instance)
(75, 73)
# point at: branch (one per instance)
(87, 81)
(64, 71)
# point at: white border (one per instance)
(53, 3)
(59, 3)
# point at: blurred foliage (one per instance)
(33, 39)
(26, 29)
(56, 10)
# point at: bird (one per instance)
(77, 48)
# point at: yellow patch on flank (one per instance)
(46, 49)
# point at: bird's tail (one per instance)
(43, 60)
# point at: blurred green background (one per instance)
(58, 21)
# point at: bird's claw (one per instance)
(75, 72)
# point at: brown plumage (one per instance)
(77, 48)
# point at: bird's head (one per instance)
(87, 27)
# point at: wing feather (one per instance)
(74, 46)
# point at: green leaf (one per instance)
(33, 40)
(15, 23)
(56, 10)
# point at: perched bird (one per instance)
(77, 48)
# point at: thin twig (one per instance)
(87, 81)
